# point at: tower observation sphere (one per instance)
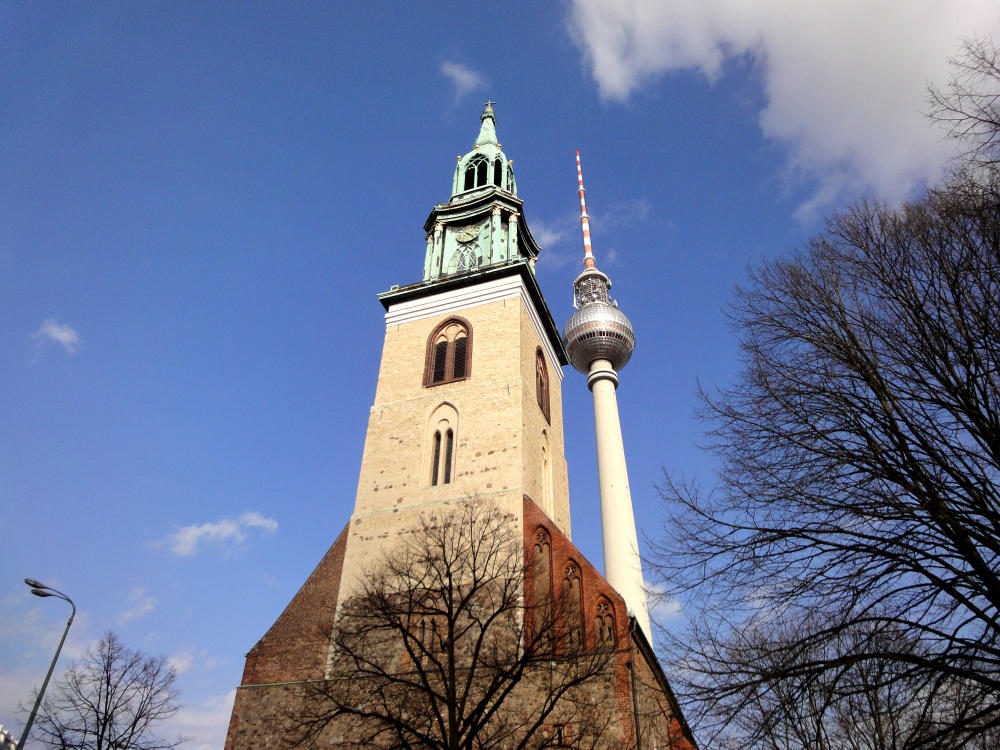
(598, 329)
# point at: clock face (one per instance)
(468, 234)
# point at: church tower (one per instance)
(468, 409)
(468, 400)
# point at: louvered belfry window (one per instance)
(449, 353)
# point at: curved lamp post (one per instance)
(40, 589)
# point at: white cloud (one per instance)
(205, 728)
(181, 662)
(621, 213)
(141, 603)
(844, 80)
(662, 606)
(59, 333)
(549, 234)
(561, 239)
(463, 78)
(185, 541)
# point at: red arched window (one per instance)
(572, 592)
(542, 559)
(604, 624)
(449, 353)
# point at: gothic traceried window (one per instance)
(543, 566)
(476, 173)
(572, 591)
(466, 259)
(449, 352)
(604, 623)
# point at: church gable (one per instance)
(295, 647)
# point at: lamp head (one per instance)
(35, 584)
(40, 592)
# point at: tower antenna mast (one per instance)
(588, 252)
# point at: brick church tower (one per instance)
(467, 409)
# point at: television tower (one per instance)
(599, 340)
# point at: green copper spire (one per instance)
(482, 224)
(486, 164)
(488, 130)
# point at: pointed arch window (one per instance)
(440, 453)
(604, 623)
(449, 353)
(466, 259)
(542, 566)
(498, 172)
(477, 172)
(572, 591)
(542, 384)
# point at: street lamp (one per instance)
(40, 589)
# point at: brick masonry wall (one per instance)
(294, 648)
(654, 710)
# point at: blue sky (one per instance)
(200, 201)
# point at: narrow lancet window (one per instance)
(543, 567)
(542, 383)
(437, 459)
(449, 450)
(461, 346)
(572, 591)
(440, 359)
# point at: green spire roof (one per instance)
(486, 164)
(488, 130)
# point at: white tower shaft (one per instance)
(622, 566)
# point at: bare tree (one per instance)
(859, 482)
(870, 704)
(439, 649)
(112, 698)
(969, 105)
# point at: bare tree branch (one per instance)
(859, 490)
(110, 699)
(969, 105)
(439, 649)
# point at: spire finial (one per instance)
(588, 253)
(488, 130)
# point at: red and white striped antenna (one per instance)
(588, 253)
